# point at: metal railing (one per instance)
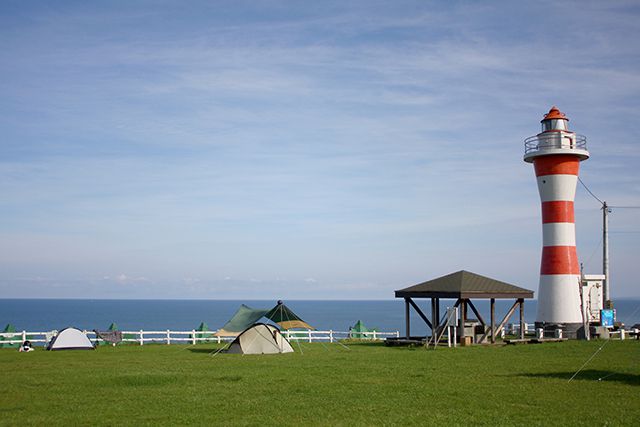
(555, 140)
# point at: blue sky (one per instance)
(303, 149)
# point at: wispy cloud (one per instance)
(299, 142)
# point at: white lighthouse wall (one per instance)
(559, 299)
(557, 187)
(559, 234)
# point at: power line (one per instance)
(601, 202)
(590, 192)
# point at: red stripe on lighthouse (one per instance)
(560, 164)
(559, 260)
(557, 211)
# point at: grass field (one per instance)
(369, 384)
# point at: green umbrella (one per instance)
(10, 329)
(204, 331)
(358, 329)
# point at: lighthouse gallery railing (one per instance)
(554, 140)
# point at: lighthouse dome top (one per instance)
(554, 113)
(555, 120)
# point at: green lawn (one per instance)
(325, 385)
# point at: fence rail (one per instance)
(193, 337)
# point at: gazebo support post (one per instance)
(493, 320)
(521, 301)
(434, 319)
(406, 317)
(463, 318)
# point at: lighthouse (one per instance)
(556, 153)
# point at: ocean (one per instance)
(385, 315)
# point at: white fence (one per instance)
(333, 336)
(193, 337)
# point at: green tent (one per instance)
(244, 317)
(204, 333)
(10, 329)
(287, 319)
(356, 331)
(247, 316)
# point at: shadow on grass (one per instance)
(203, 350)
(304, 346)
(590, 375)
(362, 343)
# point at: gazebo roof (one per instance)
(464, 284)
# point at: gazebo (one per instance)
(463, 286)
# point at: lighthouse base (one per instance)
(569, 330)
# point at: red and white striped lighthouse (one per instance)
(556, 154)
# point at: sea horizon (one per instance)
(187, 314)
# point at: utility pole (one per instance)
(606, 284)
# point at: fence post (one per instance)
(141, 337)
(455, 332)
(397, 334)
(374, 334)
(168, 337)
(219, 338)
(331, 335)
(193, 336)
(309, 335)
(24, 336)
